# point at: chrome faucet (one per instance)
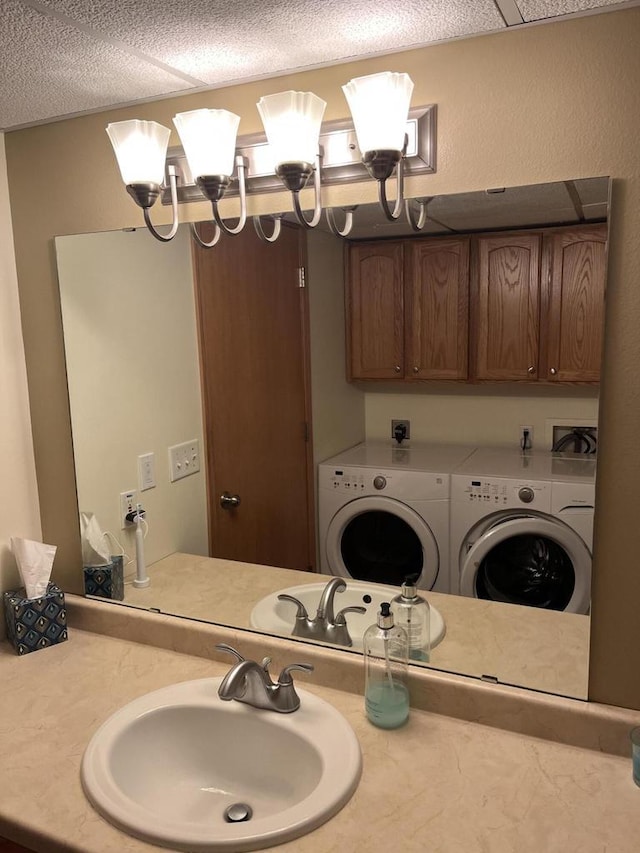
(250, 682)
(324, 625)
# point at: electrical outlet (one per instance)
(127, 504)
(184, 459)
(399, 426)
(528, 445)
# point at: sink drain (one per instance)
(238, 812)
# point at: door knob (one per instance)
(553, 371)
(531, 370)
(228, 501)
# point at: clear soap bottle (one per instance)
(385, 648)
(414, 615)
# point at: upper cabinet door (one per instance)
(506, 307)
(375, 310)
(437, 308)
(575, 259)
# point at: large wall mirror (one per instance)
(139, 340)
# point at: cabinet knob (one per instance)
(397, 368)
(553, 371)
(416, 369)
(531, 370)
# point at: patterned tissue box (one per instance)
(35, 623)
(105, 581)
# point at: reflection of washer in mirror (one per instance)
(380, 520)
(526, 543)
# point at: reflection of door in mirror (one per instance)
(252, 321)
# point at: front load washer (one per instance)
(383, 513)
(522, 528)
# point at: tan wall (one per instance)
(129, 319)
(19, 511)
(540, 104)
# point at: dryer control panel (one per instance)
(501, 493)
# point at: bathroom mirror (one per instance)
(133, 368)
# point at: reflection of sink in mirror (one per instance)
(168, 766)
(278, 617)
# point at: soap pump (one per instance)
(385, 647)
(414, 615)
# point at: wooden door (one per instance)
(437, 308)
(505, 306)
(375, 314)
(253, 334)
(575, 261)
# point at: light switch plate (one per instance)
(184, 459)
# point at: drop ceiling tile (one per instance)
(48, 69)
(535, 10)
(225, 41)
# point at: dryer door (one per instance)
(380, 539)
(531, 560)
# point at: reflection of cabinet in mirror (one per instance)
(407, 309)
(537, 305)
(529, 307)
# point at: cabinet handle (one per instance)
(553, 371)
(397, 368)
(531, 370)
(416, 369)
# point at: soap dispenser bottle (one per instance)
(385, 648)
(414, 615)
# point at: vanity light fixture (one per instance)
(388, 137)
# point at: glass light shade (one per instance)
(379, 104)
(209, 140)
(292, 123)
(141, 150)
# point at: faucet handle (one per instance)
(223, 647)
(285, 675)
(302, 610)
(340, 618)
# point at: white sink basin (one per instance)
(167, 766)
(278, 617)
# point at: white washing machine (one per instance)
(384, 513)
(522, 528)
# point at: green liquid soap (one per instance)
(387, 705)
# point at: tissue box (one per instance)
(35, 623)
(105, 581)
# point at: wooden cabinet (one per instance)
(575, 267)
(537, 305)
(407, 309)
(519, 306)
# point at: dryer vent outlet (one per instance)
(400, 430)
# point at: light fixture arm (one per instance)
(277, 226)
(417, 223)
(394, 214)
(348, 221)
(206, 244)
(145, 194)
(295, 194)
(241, 166)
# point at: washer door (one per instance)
(382, 540)
(531, 560)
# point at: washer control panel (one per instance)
(386, 483)
(501, 492)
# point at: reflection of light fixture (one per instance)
(389, 138)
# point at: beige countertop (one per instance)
(527, 646)
(439, 784)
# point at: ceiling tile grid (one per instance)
(49, 69)
(63, 57)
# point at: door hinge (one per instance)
(306, 431)
(302, 277)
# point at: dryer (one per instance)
(383, 513)
(522, 528)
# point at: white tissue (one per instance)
(35, 561)
(95, 548)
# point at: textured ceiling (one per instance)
(63, 57)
